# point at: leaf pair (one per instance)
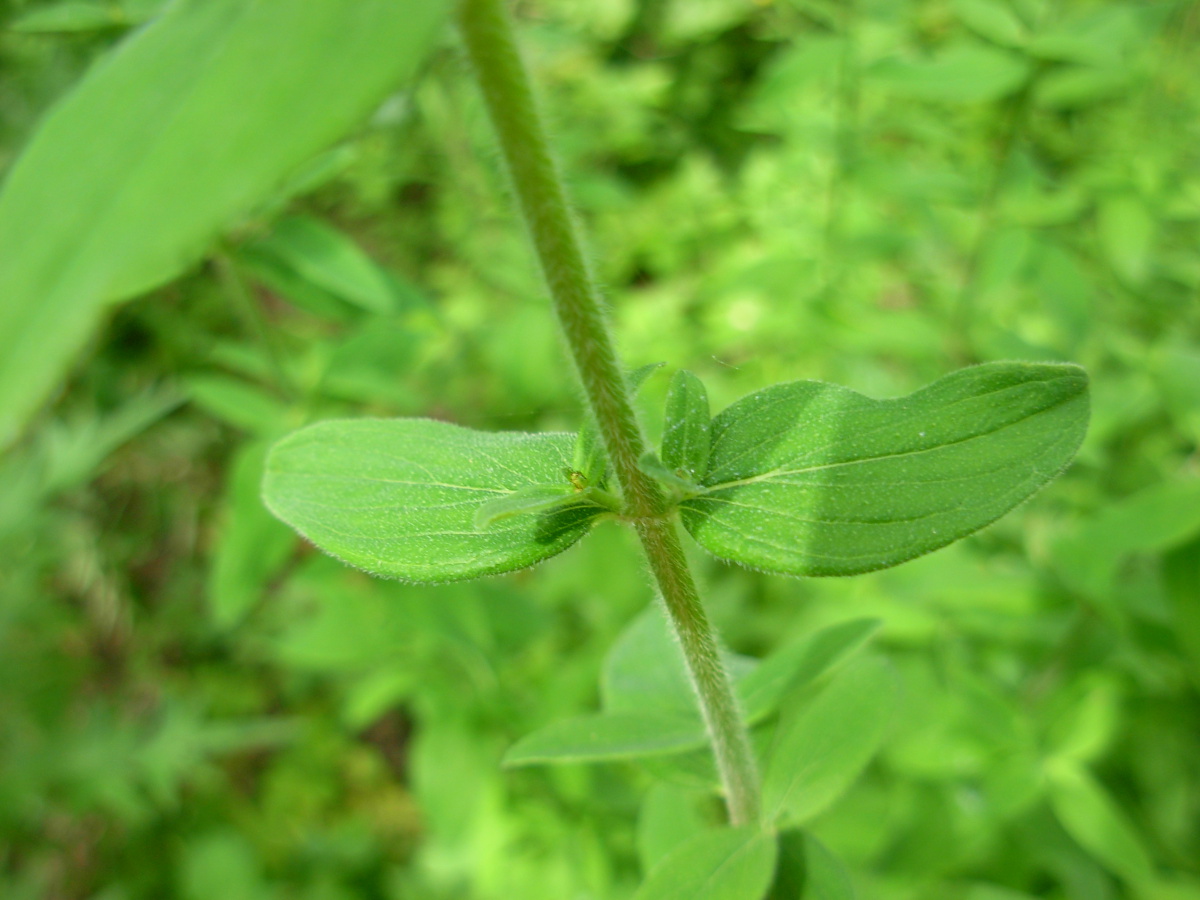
(803, 478)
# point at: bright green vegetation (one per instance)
(225, 271)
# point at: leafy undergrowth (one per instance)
(196, 705)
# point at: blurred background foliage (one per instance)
(195, 706)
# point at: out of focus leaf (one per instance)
(822, 746)
(1091, 817)
(252, 546)
(965, 72)
(1157, 518)
(329, 259)
(806, 870)
(730, 864)
(608, 736)
(185, 127)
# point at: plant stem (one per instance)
(507, 91)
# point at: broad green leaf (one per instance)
(763, 687)
(329, 259)
(686, 442)
(398, 497)
(538, 498)
(730, 864)
(1092, 818)
(821, 746)
(607, 736)
(806, 870)
(808, 478)
(183, 129)
(590, 458)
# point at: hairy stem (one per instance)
(508, 94)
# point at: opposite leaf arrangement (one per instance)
(801, 478)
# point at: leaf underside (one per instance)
(399, 497)
(807, 478)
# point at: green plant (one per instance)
(551, 489)
(802, 478)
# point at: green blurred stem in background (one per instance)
(509, 96)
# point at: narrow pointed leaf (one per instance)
(730, 864)
(398, 497)
(686, 441)
(822, 746)
(186, 127)
(607, 736)
(809, 478)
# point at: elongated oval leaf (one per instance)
(686, 442)
(190, 123)
(607, 736)
(398, 497)
(808, 478)
(730, 864)
(822, 746)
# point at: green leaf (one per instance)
(398, 497)
(821, 746)
(1092, 818)
(730, 864)
(331, 261)
(607, 736)
(182, 130)
(538, 498)
(1156, 518)
(252, 546)
(762, 688)
(808, 871)
(807, 478)
(671, 815)
(992, 19)
(686, 441)
(964, 72)
(239, 403)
